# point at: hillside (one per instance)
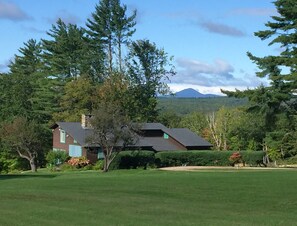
(184, 106)
(192, 93)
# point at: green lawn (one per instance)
(152, 197)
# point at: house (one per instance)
(71, 137)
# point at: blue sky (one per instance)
(208, 39)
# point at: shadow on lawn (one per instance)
(26, 176)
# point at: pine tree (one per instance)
(109, 28)
(66, 55)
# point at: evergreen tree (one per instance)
(28, 91)
(66, 55)
(108, 29)
(277, 103)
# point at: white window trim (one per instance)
(62, 136)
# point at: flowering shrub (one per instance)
(78, 162)
(235, 158)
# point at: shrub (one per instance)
(235, 158)
(78, 162)
(205, 158)
(133, 160)
(253, 158)
(66, 167)
(56, 158)
(98, 165)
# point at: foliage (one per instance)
(205, 158)
(65, 54)
(185, 106)
(114, 90)
(78, 99)
(196, 122)
(25, 138)
(134, 159)
(78, 162)
(169, 119)
(99, 165)
(235, 158)
(28, 91)
(148, 69)
(109, 28)
(112, 130)
(56, 158)
(276, 104)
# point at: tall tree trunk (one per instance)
(110, 54)
(120, 56)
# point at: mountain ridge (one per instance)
(192, 93)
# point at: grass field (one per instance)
(152, 197)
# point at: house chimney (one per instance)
(85, 121)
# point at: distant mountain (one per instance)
(192, 93)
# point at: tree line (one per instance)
(80, 69)
(77, 70)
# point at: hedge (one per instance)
(133, 160)
(205, 158)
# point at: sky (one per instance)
(208, 39)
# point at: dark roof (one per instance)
(183, 136)
(187, 138)
(76, 131)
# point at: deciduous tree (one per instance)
(24, 138)
(112, 130)
(148, 69)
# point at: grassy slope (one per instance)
(150, 198)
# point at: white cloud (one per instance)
(11, 11)
(211, 78)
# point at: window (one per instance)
(74, 141)
(75, 151)
(62, 136)
(166, 136)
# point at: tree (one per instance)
(24, 138)
(109, 28)
(123, 28)
(115, 89)
(148, 69)
(28, 90)
(30, 61)
(112, 130)
(196, 122)
(278, 101)
(66, 56)
(169, 119)
(78, 99)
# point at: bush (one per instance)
(235, 158)
(56, 158)
(66, 167)
(98, 165)
(205, 158)
(78, 162)
(253, 158)
(133, 160)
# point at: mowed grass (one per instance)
(152, 197)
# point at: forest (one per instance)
(77, 70)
